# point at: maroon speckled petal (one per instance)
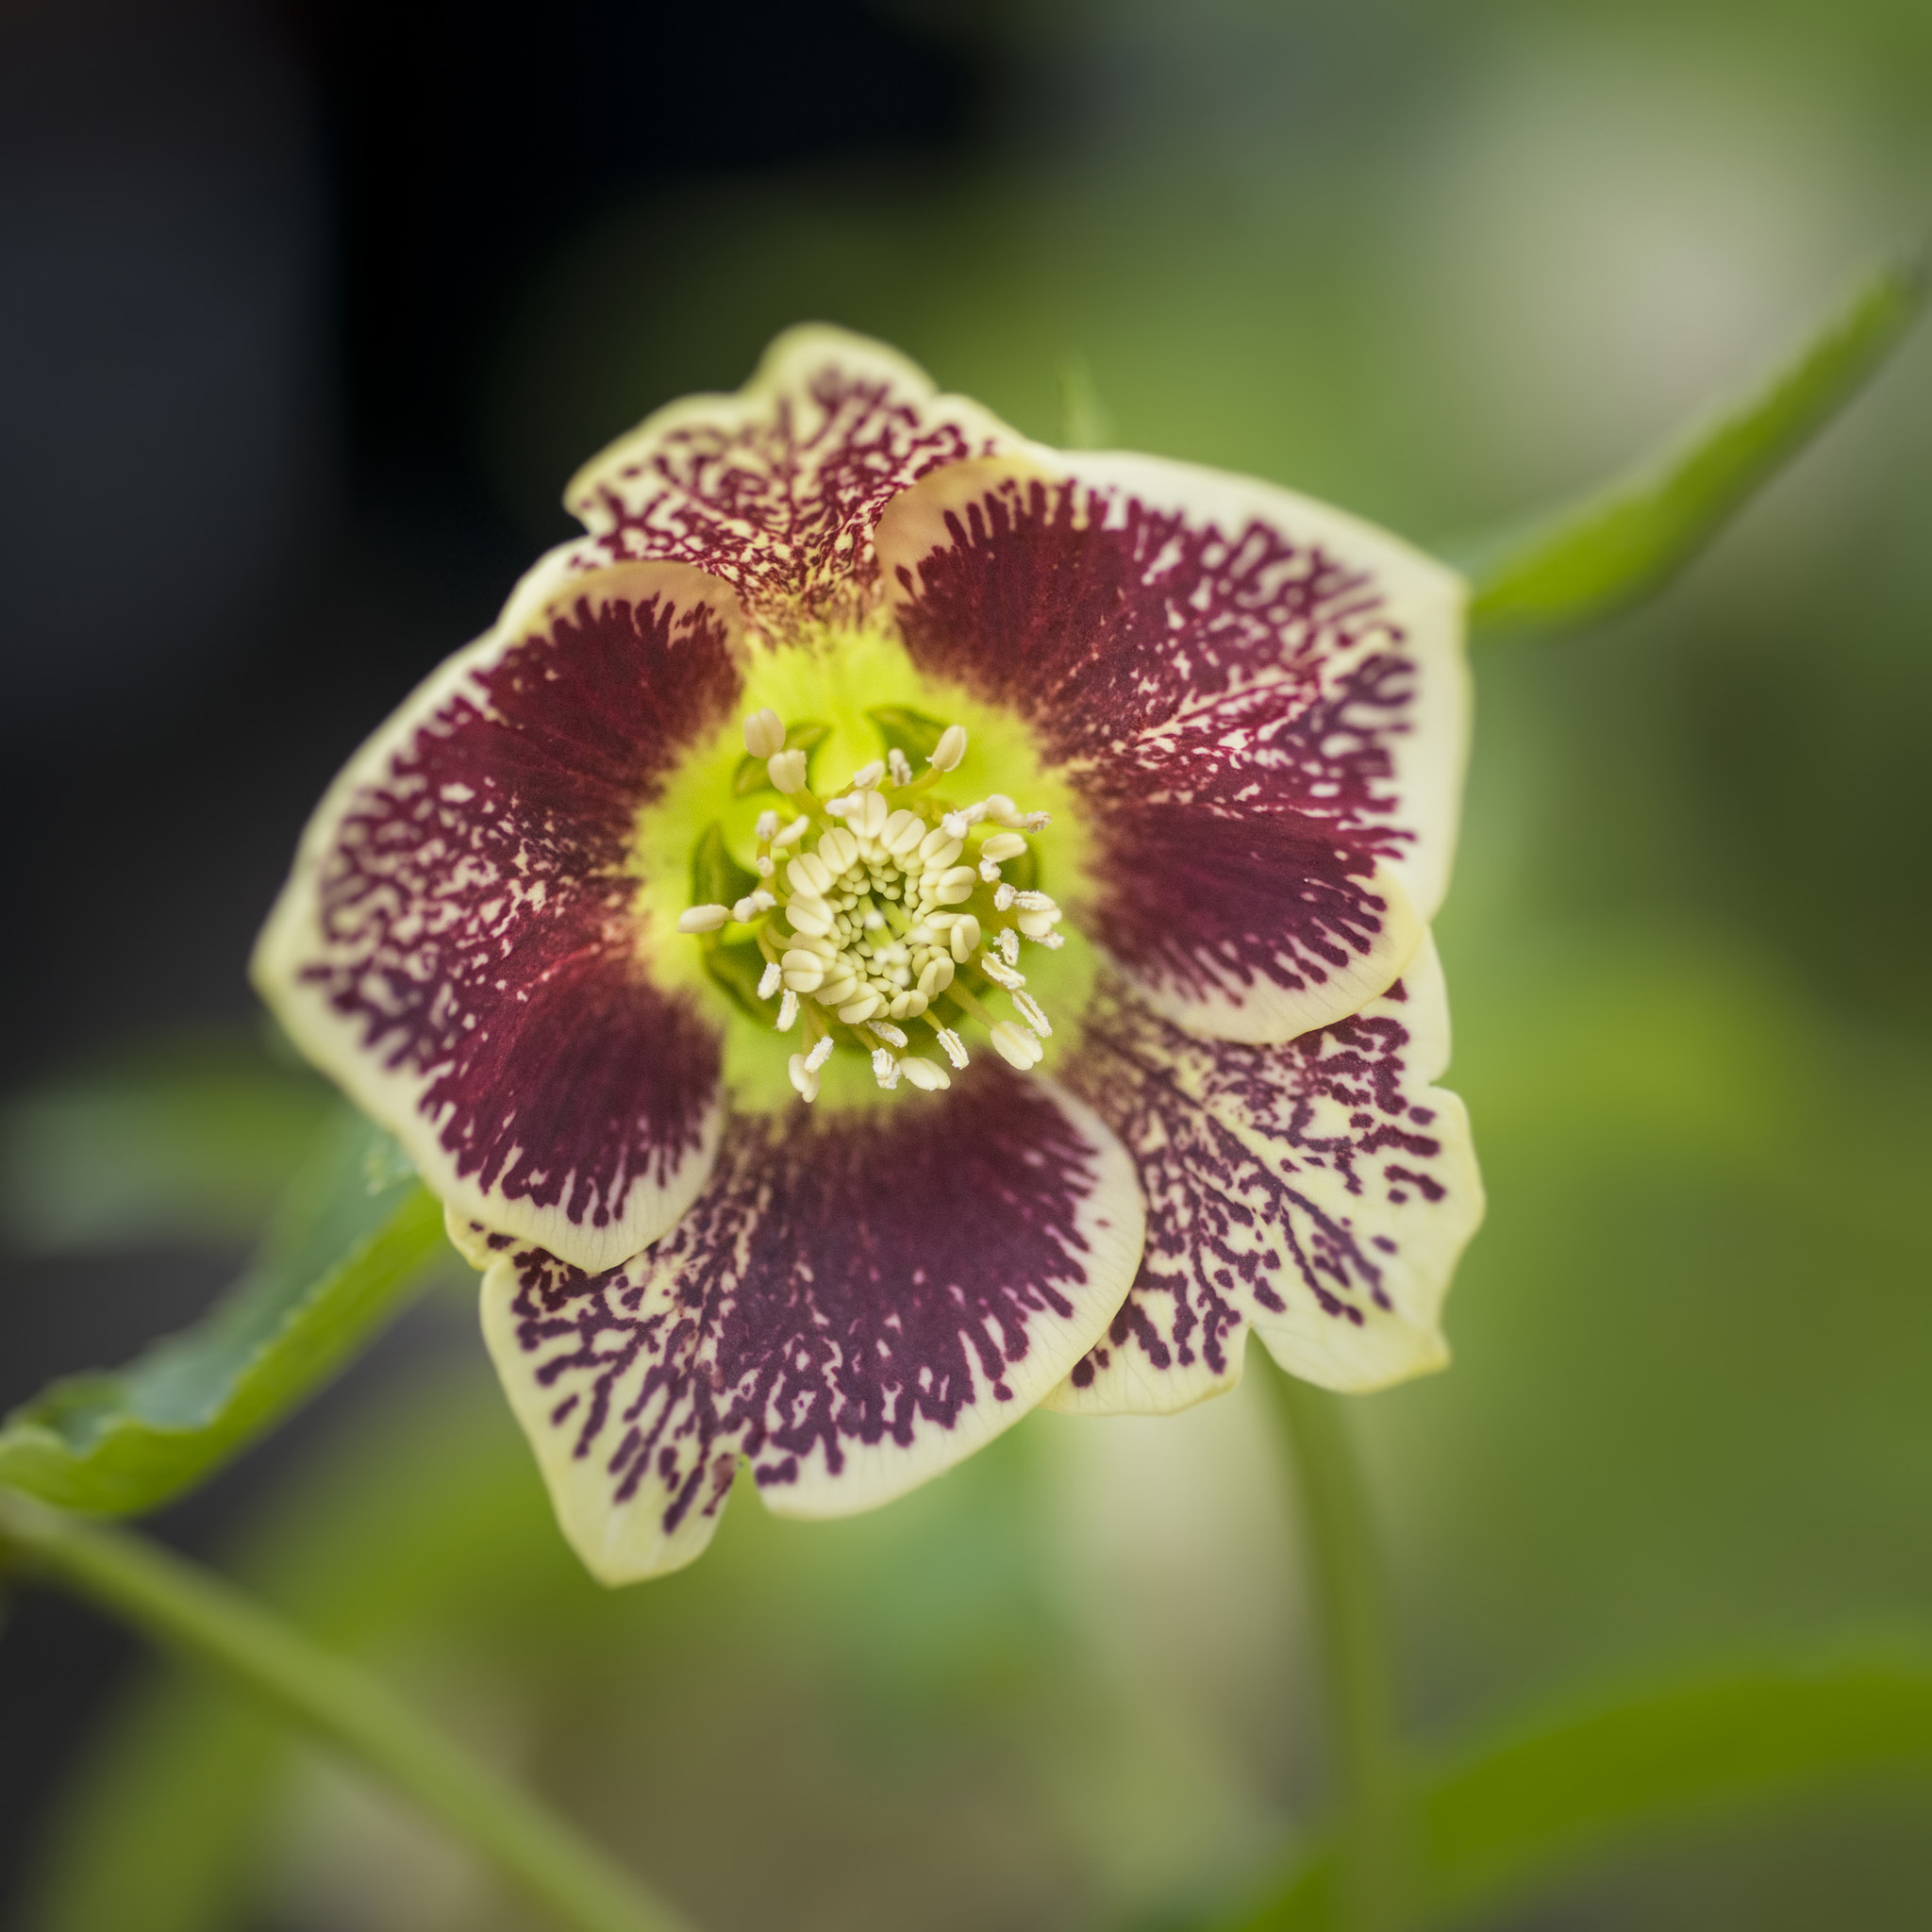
(854, 1302)
(458, 944)
(1319, 1192)
(1262, 702)
(775, 490)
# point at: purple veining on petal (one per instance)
(1224, 702)
(781, 508)
(1230, 1232)
(846, 1284)
(476, 913)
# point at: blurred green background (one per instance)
(1437, 265)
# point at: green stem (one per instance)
(178, 1605)
(1352, 1623)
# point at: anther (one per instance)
(805, 1076)
(820, 1054)
(1016, 1046)
(767, 827)
(1005, 896)
(1002, 846)
(788, 1011)
(703, 918)
(924, 1075)
(954, 1046)
(786, 770)
(950, 748)
(764, 733)
(770, 979)
(1034, 1015)
(868, 775)
(1009, 945)
(885, 1069)
(964, 937)
(897, 766)
(791, 834)
(889, 1033)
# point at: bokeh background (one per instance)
(306, 311)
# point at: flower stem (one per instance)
(177, 1604)
(1352, 1623)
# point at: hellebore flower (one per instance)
(898, 925)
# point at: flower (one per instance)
(898, 925)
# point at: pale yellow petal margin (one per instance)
(1259, 1013)
(1430, 1236)
(293, 939)
(1321, 1345)
(655, 1303)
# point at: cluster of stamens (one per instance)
(895, 909)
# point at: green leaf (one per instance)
(1630, 537)
(716, 877)
(192, 1137)
(752, 773)
(1509, 1822)
(909, 731)
(355, 1232)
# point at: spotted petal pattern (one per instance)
(1318, 1193)
(854, 1302)
(459, 943)
(775, 490)
(1262, 702)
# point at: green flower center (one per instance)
(882, 932)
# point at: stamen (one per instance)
(1031, 1011)
(883, 917)
(1016, 1046)
(764, 733)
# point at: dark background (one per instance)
(254, 261)
(306, 312)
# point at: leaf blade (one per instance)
(1511, 1820)
(1620, 543)
(357, 1232)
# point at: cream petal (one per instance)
(1319, 1192)
(857, 1302)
